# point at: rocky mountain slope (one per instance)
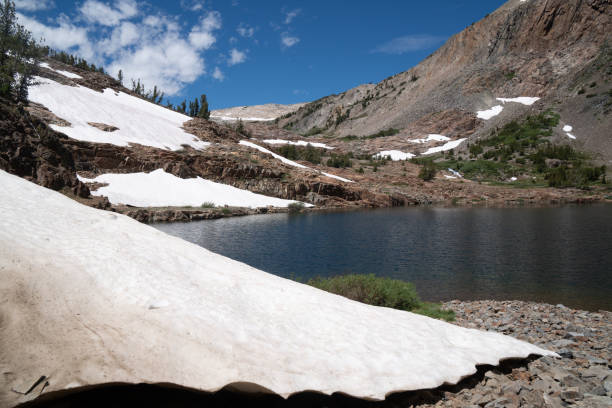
(265, 112)
(526, 58)
(557, 50)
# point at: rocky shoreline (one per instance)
(581, 377)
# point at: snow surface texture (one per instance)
(446, 146)
(298, 143)
(287, 161)
(396, 155)
(525, 100)
(488, 114)
(61, 72)
(97, 297)
(161, 189)
(139, 121)
(430, 138)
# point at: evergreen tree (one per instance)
(204, 112)
(120, 77)
(19, 55)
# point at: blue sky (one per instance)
(243, 52)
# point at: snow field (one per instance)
(298, 143)
(396, 155)
(139, 121)
(115, 300)
(161, 189)
(61, 72)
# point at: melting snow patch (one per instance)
(395, 155)
(430, 138)
(446, 146)
(64, 73)
(489, 113)
(567, 128)
(161, 189)
(139, 121)
(525, 100)
(337, 177)
(235, 119)
(287, 161)
(449, 177)
(109, 273)
(455, 173)
(276, 156)
(298, 143)
(570, 136)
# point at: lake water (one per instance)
(553, 255)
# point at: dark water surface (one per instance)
(553, 255)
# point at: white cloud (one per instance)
(288, 41)
(63, 36)
(245, 30)
(168, 62)
(218, 75)
(33, 5)
(153, 48)
(409, 43)
(122, 36)
(201, 36)
(101, 13)
(289, 16)
(236, 57)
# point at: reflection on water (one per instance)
(554, 255)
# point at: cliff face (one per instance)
(537, 48)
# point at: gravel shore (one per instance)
(582, 377)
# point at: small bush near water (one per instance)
(296, 207)
(378, 291)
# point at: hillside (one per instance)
(558, 51)
(500, 113)
(265, 112)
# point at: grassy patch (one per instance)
(208, 204)
(307, 153)
(296, 207)
(377, 291)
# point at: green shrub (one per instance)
(307, 153)
(340, 160)
(378, 291)
(208, 204)
(296, 207)
(428, 171)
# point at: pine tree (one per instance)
(19, 55)
(203, 113)
(120, 77)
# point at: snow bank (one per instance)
(276, 156)
(236, 119)
(298, 143)
(446, 146)
(430, 138)
(489, 113)
(61, 72)
(525, 100)
(161, 189)
(395, 155)
(138, 121)
(337, 177)
(455, 173)
(289, 162)
(96, 297)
